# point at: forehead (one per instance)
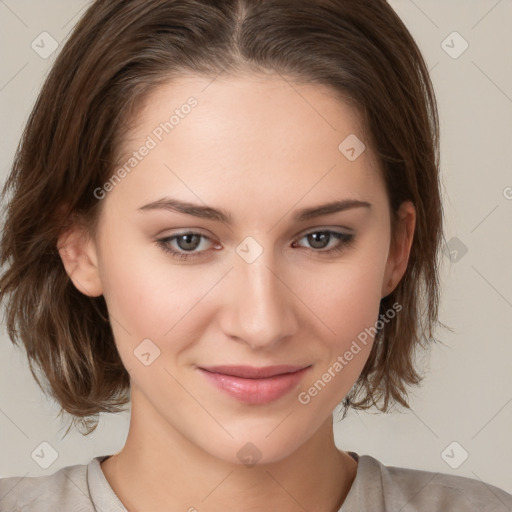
(247, 136)
(242, 106)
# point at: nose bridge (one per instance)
(260, 309)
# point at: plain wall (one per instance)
(466, 396)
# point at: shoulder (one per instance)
(66, 489)
(413, 490)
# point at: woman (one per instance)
(228, 214)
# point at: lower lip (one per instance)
(255, 391)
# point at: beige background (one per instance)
(467, 395)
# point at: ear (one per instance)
(400, 248)
(78, 253)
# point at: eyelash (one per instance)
(346, 240)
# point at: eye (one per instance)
(186, 243)
(321, 239)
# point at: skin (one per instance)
(260, 148)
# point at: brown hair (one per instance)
(119, 52)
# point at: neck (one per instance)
(160, 468)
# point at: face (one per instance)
(216, 260)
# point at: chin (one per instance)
(256, 445)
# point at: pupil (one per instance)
(315, 240)
(191, 242)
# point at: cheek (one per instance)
(149, 298)
(349, 309)
(347, 296)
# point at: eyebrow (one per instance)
(220, 215)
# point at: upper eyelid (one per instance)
(197, 231)
(344, 230)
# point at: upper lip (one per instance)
(252, 372)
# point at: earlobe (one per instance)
(400, 249)
(78, 254)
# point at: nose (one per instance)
(260, 310)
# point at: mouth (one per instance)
(253, 385)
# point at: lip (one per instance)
(253, 385)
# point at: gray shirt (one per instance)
(376, 488)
